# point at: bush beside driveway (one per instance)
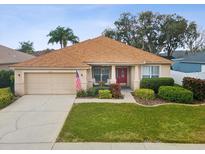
(6, 97)
(107, 122)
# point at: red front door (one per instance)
(121, 74)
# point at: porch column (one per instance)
(89, 78)
(113, 75)
(137, 75)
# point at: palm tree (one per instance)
(62, 35)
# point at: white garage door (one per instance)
(50, 83)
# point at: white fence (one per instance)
(178, 76)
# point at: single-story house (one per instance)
(96, 60)
(190, 63)
(10, 56)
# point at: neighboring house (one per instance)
(99, 59)
(176, 54)
(190, 63)
(10, 56)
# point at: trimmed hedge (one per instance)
(81, 93)
(6, 79)
(92, 92)
(12, 83)
(155, 83)
(6, 97)
(197, 86)
(175, 94)
(105, 94)
(116, 90)
(147, 94)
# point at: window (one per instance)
(150, 71)
(97, 74)
(101, 73)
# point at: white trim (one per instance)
(141, 76)
(49, 68)
(49, 71)
(127, 63)
(202, 68)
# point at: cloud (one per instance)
(33, 22)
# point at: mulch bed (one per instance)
(158, 100)
(149, 102)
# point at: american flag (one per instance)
(77, 82)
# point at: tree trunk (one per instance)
(169, 52)
(61, 43)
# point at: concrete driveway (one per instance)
(33, 121)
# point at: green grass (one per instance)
(3, 105)
(106, 122)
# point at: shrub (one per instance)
(5, 78)
(81, 93)
(197, 86)
(6, 97)
(12, 83)
(146, 94)
(105, 94)
(155, 83)
(101, 83)
(101, 88)
(175, 94)
(92, 92)
(115, 90)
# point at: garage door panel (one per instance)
(50, 83)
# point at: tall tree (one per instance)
(62, 35)
(194, 40)
(140, 31)
(155, 32)
(148, 29)
(125, 30)
(172, 32)
(26, 47)
(111, 33)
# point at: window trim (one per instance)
(142, 66)
(101, 74)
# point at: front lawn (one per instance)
(106, 122)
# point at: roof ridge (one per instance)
(63, 49)
(7, 47)
(85, 41)
(127, 45)
(99, 49)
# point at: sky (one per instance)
(33, 22)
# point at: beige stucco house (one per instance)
(98, 59)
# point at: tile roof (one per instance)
(10, 56)
(97, 50)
